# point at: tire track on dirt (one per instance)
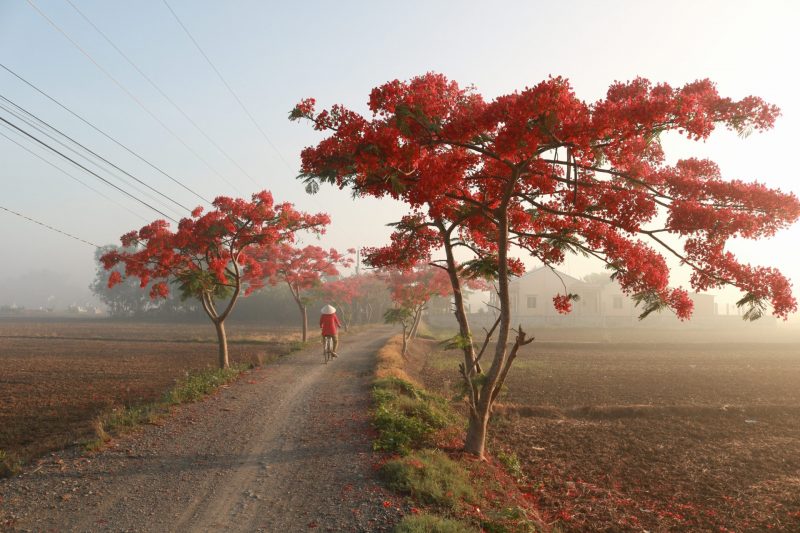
(284, 448)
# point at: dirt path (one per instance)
(286, 448)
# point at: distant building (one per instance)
(599, 303)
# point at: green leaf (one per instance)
(756, 307)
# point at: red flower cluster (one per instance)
(567, 176)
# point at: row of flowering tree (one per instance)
(216, 256)
(411, 290)
(541, 172)
(302, 270)
(360, 297)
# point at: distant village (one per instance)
(601, 303)
(72, 309)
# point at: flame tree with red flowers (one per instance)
(542, 172)
(303, 269)
(410, 291)
(210, 256)
(344, 294)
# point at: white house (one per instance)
(600, 301)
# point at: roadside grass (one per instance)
(424, 433)
(9, 465)
(406, 416)
(193, 387)
(428, 523)
(431, 477)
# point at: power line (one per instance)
(43, 131)
(53, 128)
(227, 85)
(162, 93)
(103, 133)
(72, 176)
(49, 227)
(98, 176)
(132, 96)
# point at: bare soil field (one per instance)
(57, 376)
(668, 436)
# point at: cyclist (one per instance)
(330, 325)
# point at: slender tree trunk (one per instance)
(224, 362)
(475, 442)
(412, 334)
(304, 311)
(470, 365)
(405, 340)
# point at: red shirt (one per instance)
(330, 324)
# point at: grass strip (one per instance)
(193, 387)
(456, 494)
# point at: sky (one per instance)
(274, 54)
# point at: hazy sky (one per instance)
(274, 54)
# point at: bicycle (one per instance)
(327, 348)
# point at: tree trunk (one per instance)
(415, 324)
(470, 365)
(303, 309)
(479, 418)
(475, 442)
(405, 341)
(224, 362)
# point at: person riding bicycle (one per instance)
(330, 325)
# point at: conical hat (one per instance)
(328, 310)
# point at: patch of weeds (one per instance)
(296, 346)
(193, 387)
(431, 477)
(198, 384)
(428, 523)
(512, 464)
(406, 416)
(9, 466)
(509, 520)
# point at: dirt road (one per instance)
(286, 448)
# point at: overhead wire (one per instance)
(104, 134)
(89, 150)
(163, 94)
(72, 176)
(49, 227)
(87, 158)
(133, 97)
(79, 154)
(98, 176)
(227, 85)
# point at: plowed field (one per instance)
(666, 436)
(57, 376)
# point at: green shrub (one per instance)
(509, 520)
(512, 464)
(426, 523)
(9, 466)
(429, 476)
(198, 384)
(190, 389)
(405, 416)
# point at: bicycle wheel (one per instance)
(326, 349)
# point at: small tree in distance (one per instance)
(343, 294)
(210, 256)
(411, 290)
(303, 269)
(542, 172)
